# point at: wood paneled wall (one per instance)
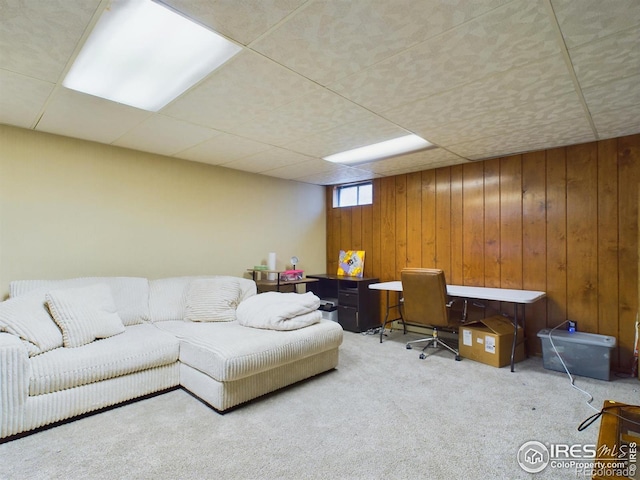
(564, 221)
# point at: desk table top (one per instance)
(480, 293)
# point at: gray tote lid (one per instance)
(579, 337)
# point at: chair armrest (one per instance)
(15, 370)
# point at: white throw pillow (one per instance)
(168, 296)
(28, 318)
(84, 314)
(213, 300)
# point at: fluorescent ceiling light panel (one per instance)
(378, 151)
(143, 54)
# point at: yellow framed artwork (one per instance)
(351, 263)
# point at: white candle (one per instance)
(271, 265)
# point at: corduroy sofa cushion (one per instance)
(227, 351)
(138, 348)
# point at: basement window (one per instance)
(353, 194)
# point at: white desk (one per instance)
(517, 297)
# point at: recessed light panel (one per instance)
(143, 54)
(378, 151)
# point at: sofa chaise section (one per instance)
(226, 364)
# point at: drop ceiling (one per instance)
(477, 79)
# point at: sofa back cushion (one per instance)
(168, 296)
(130, 294)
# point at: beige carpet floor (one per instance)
(383, 414)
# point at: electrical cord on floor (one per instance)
(567, 370)
(585, 424)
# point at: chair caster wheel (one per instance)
(422, 356)
(458, 358)
(409, 347)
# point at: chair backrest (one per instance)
(425, 296)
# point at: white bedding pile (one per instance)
(279, 311)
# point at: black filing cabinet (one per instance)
(358, 305)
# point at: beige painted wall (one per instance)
(75, 208)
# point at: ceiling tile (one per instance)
(613, 95)
(616, 123)
(587, 20)
(266, 128)
(223, 148)
(246, 86)
(78, 115)
(37, 38)
(304, 169)
(548, 136)
(267, 160)
(528, 116)
(319, 111)
(164, 135)
(605, 60)
(322, 110)
(339, 175)
(507, 37)
(22, 98)
(414, 162)
(326, 41)
(444, 163)
(241, 20)
(372, 129)
(503, 91)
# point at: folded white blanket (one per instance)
(279, 311)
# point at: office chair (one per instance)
(425, 303)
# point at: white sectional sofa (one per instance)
(136, 337)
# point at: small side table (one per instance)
(277, 283)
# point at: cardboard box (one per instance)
(490, 340)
